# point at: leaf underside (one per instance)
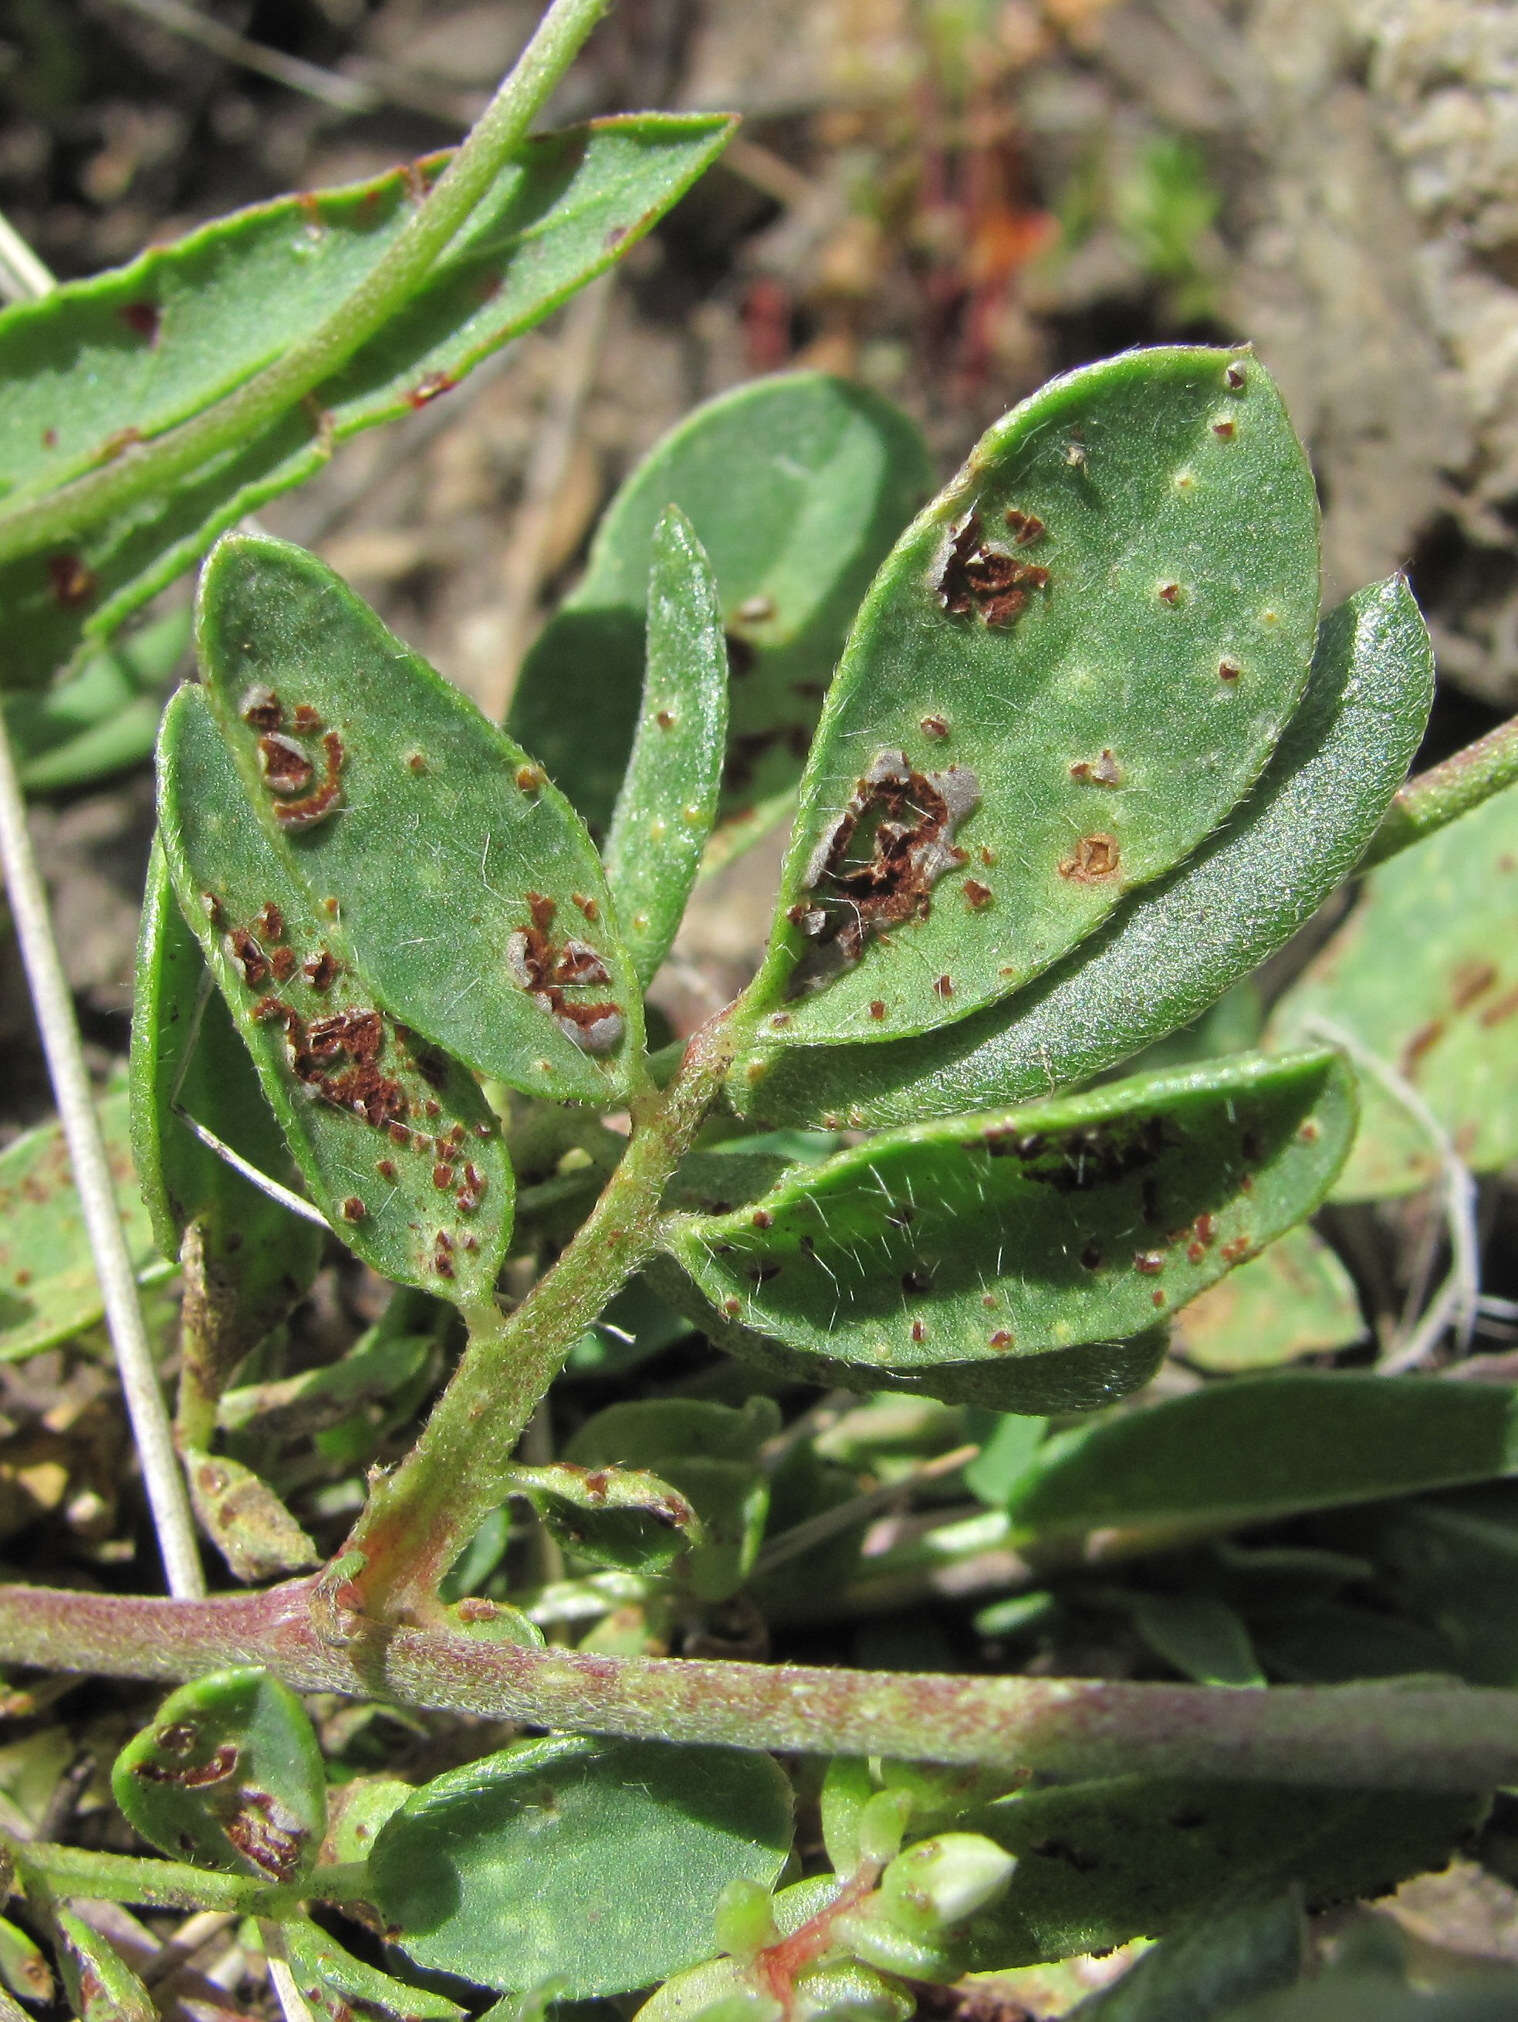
(128, 354)
(958, 1254)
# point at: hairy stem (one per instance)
(1433, 799)
(419, 1519)
(171, 1885)
(150, 467)
(1349, 1737)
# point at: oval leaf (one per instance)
(48, 1287)
(97, 364)
(1424, 973)
(1257, 1450)
(1073, 666)
(469, 892)
(229, 1775)
(1173, 948)
(593, 1863)
(981, 1244)
(796, 487)
(1296, 1299)
(668, 801)
(398, 1148)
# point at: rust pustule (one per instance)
(319, 803)
(73, 582)
(1229, 670)
(271, 923)
(977, 895)
(246, 957)
(933, 726)
(431, 386)
(143, 319)
(976, 577)
(1103, 771)
(261, 708)
(282, 962)
(547, 970)
(1095, 860)
(320, 970)
(877, 866)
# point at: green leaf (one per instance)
(710, 1454)
(1256, 1450)
(597, 1862)
(151, 344)
(1483, 1994)
(1174, 947)
(975, 1248)
(101, 1985)
(23, 1967)
(397, 1148)
(1200, 1635)
(229, 1775)
(255, 1259)
(1101, 1862)
(647, 1523)
(1202, 1971)
(1133, 547)
(668, 801)
(245, 1519)
(48, 1287)
(335, 1984)
(1295, 1299)
(1424, 974)
(102, 719)
(796, 488)
(469, 892)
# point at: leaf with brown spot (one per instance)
(839, 1277)
(1424, 974)
(264, 1813)
(349, 1085)
(1039, 667)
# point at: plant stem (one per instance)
(97, 1197)
(29, 524)
(419, 1519)
(1452, 1738)
(172, 1885)
(1433, 799)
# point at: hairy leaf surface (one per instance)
(469, 892)
(796, 487)
(397, 1146)
(1170, 950)
(1073, 666)
(982, 1244)
(1424, 974)
(668, 801)
(100, 364)
(610, 1855)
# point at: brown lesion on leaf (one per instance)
(1422, 1040)
(246, 957)
(877, 865)
(1095, 860)
(977, 577)
(261, 708)
(221, 1765)
(267, 1836)
(547, 970)
(319, 803)
(1471, 980)
(1103, 771)
(73, 581)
